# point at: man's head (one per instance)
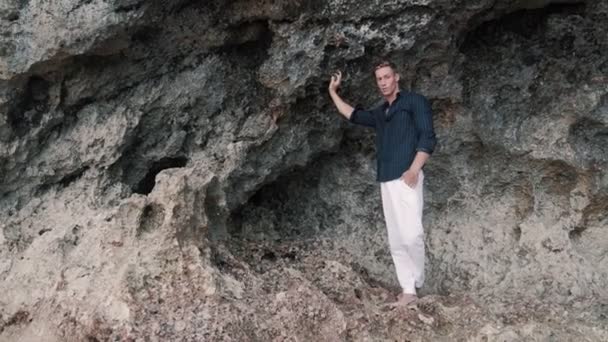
(387, 78)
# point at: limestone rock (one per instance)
(175, 170)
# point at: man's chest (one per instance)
(395, 117)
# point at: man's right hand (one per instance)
(336, 78)
(344, 108)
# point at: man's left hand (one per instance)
(410, 177)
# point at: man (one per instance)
(405, 140)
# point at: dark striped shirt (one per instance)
(402, 129)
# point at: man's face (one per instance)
(387, 80)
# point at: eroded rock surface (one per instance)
(174, 170)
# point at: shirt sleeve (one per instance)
(423, 119)
(363, 117)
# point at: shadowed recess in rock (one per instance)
(273, 229)
(278, 210)
(146, 184)
(590, 139)
(151, 219)
(29, 111)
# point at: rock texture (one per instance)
(174, 170)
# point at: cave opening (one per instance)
(524, 22)
(277, 210)
(147, 183)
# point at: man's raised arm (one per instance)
(357, 116)
(344, 108)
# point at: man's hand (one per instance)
(334, 84)
(344, 108)
(410, 177)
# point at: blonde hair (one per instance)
(382, 64)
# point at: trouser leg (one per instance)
(402, 208)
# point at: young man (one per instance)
(405, 140)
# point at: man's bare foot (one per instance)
(406, 298)
(403, 299)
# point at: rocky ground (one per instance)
(174, 170)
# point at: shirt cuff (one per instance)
(422, 149)
(352, 115)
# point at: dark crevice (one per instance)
(151, 219)
(525, 23)
(517, 233)
(575, 234)
(34, 102)
(73, 176)
(269, 255)
(13, 16)
(21, 317)
(81, 103)
(44, 230)
(63, 182)
(212, 6)
(145, 35)
(248, 43)
(79, 5)
(129, 7)
(146, 185)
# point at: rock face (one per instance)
(175, 170)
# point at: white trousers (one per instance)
(402, 208)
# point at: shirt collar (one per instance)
(385, 104)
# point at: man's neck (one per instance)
(392, 97)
